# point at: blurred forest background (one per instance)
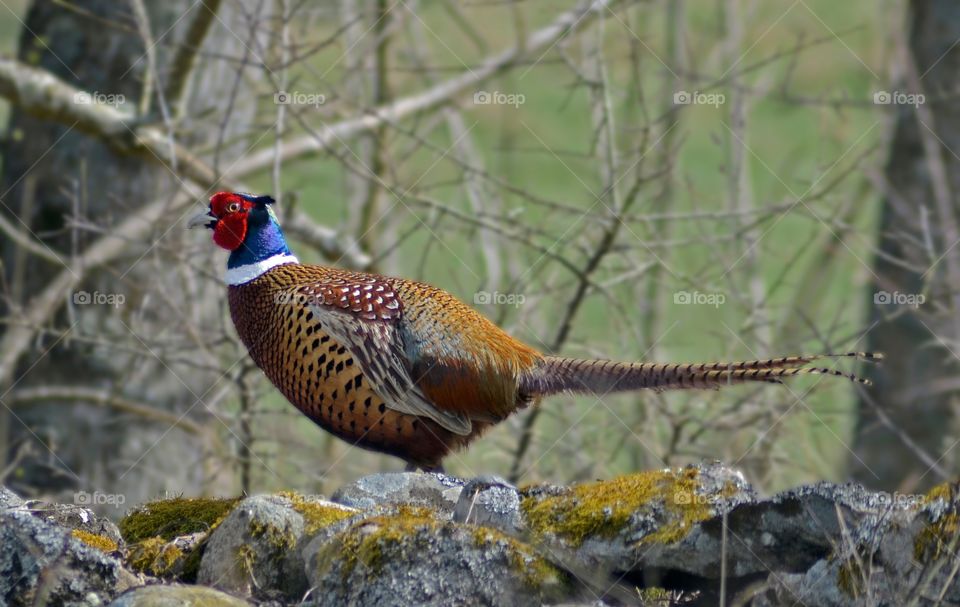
(670, 180)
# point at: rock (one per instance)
(414, 558)
(654, 537)
(169, 560)
(247, 551)
(71, 516)
(43, 564)
(253, 552)
(888, 550)
(165, 538)
(427, 489)
(9, 499)
(176, 596)
(492, 502)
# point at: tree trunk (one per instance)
(907, 428)
(55, 177)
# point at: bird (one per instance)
(404, 368)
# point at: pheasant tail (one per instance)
(556, 374)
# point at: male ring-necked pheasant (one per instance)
(404, 368)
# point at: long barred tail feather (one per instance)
(557, 374)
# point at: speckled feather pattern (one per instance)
(461, 361)
(404, 368)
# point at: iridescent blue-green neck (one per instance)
(263, 248)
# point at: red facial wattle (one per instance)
(231, 230)
(231, 212)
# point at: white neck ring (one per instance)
(247, 272)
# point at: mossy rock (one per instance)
(413, 556)
(317, 513)
(171, 518)
(254, 551)
(671, 499)
(166, 538)
(177, 559)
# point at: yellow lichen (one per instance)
(100, 542)
(944, 491)
(367, 542)
(174, 517)
(604, 508)
(941, 535)
(245, 558)
(364, 541)
(937, 538)
(533, 569)
(316, 516)
(154, 556)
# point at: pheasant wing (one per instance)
(362, 314)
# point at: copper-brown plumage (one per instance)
(323, 380)
(486, 376)
(404, 368)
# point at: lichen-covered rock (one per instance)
(492, 502)
(170, 560)
(44, 564)
(642, 509)
(661, 538)
(78, 518)
(890, 551)
(412, 557)
(166, 538)
(430, 490)
(253, 552)
(9, 499)
(175, 595)
(170, 518)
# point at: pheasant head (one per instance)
(246, 226)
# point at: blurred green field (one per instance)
(794, 149)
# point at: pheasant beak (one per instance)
(203, 219)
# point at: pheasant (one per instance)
(404, 368)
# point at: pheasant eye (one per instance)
(234, 207)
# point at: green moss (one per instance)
(943, 491)
(365, 541)
(175, 517)
(936, 538)
(245, 558)
(604, 508)
(533, 569)
(154, 556)
(316, 516)
(281, 539)
(941, 535)
(100, 542)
